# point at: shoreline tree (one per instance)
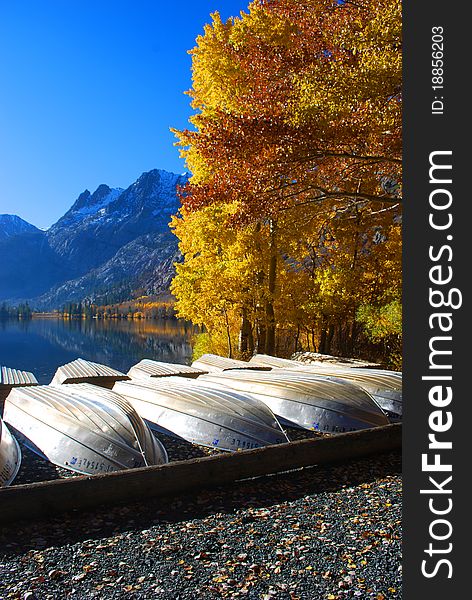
(295, 154)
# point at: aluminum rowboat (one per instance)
(384, 386)
(314, 358)
(10, 378)
(214, 418)
(10, 456)
(153, 368)
(306, 400)
(83, 428)
(215, 364)
(85, 371)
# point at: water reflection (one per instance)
(41, 345)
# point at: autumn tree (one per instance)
(219, 284)
(298, 125)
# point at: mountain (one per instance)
(112, 241)
(11, 225)
(29, 267)
(144, 263)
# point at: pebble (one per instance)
(328, 532)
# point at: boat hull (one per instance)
(153, 368)
(384, 386)
(213, 363)
(10, 456)
(207, 417)
(85, 371)
(11, 378)
(80, 429)
(306, 400)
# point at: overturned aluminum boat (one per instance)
(384, 386)
(213, 363)
(83, 428)
(154, 368)
(313, 358)
(86, 371)
(10, 456)
(306, 400)
(216, 418)
(10, 378)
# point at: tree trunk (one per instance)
(246, 341)
(260, 329)
(270, 332)
(261, 337)
(272, 277)
(329, 339)
(322, 345)
(353, 337)
(251, 345)
(297, 337)
(228, 335)
(313, 339)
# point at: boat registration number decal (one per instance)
(243, 444)
(90, 465)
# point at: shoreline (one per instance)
(329, 532)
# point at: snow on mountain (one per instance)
(99, 224)
(11, 225)
(88, 205)
(101, 198)
(110, 238)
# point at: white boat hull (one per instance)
(152, 368)
(10, 456)
(213, 418)
(384, 386)
(306, 400)
(213, 363)
(82, 428)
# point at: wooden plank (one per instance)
(50, 498)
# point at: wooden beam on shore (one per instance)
(84, 492)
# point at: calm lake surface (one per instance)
(42, 345)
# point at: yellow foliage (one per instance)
(292, 218)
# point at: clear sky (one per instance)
(89, 91)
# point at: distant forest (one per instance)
(23, 311)
(142, 308)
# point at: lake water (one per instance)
(42, 345)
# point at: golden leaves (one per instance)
(298, 121)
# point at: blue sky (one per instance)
(89, 91)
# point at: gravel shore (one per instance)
(330, 532)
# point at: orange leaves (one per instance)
(298, 121)
(296, 92)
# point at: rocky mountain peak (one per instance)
(87, 205)
(109, 239)
(11, 225)
(155, 188)
(82, 200)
